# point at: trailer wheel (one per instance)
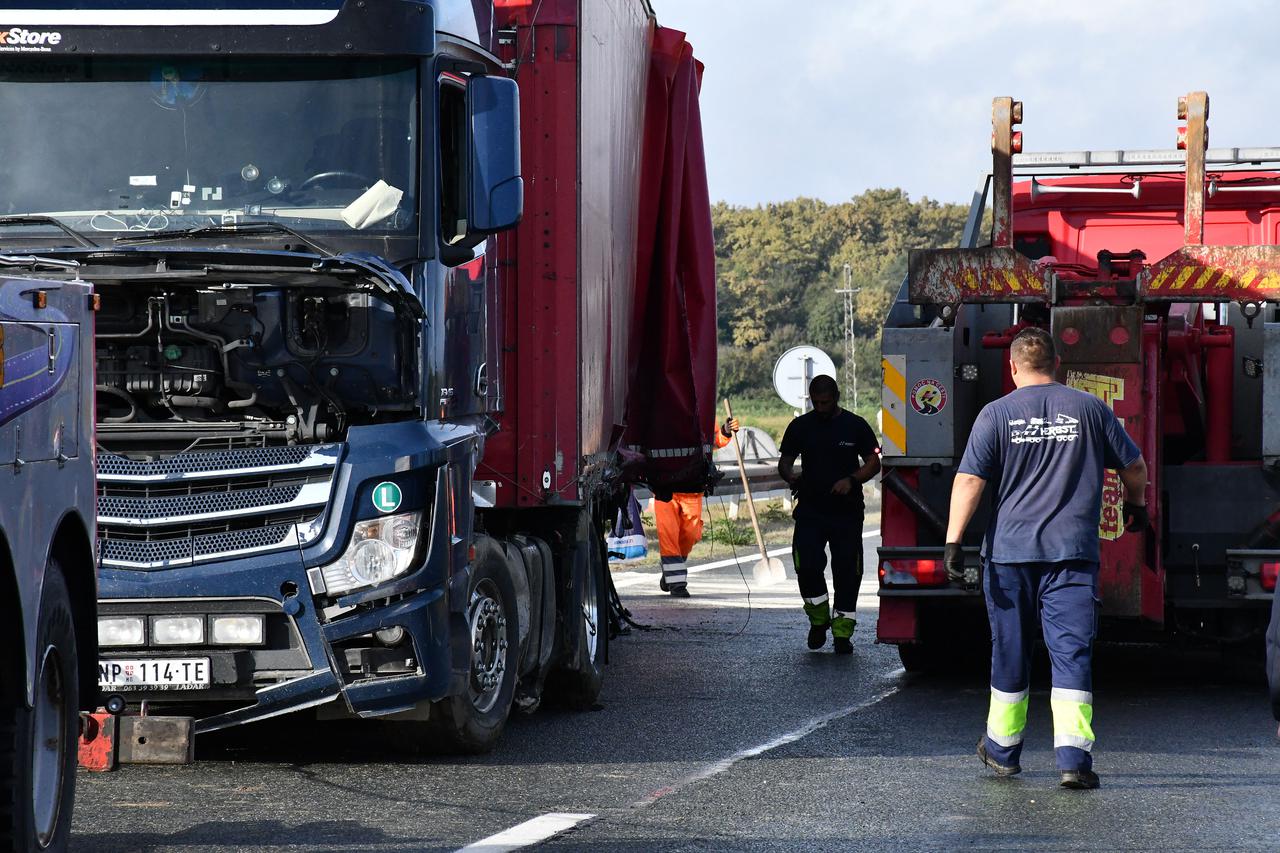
(38, 745)
(577, 681)
(472, 722)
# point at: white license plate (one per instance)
(154, 674)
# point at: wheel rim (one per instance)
(591, 615)
(488, 646)
(48, 747)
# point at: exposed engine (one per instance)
(253, 364)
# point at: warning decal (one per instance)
(928, 397)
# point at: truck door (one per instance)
(38, 350)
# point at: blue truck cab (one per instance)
(287, 214)
(47, 648)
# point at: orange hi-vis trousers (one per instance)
(679, 523)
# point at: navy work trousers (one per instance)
(1062, 600)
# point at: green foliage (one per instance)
(772, 512)
(728, 531)
(778, 266)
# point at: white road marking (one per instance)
(622, 580)
(804, 731)
(526, 834)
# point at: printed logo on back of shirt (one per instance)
(1059, 429)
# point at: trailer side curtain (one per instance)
(671, 406)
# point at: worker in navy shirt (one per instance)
(838, 452)
(1042, 448)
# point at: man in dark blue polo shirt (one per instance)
(1043, 448)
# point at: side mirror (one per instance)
(496, 198)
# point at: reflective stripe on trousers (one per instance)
(1007, 717)
(674, 571)
(1072, 718)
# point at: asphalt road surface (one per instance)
(719, 730)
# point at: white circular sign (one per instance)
(795, 369)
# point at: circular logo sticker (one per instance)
(928, 397)
(386, 497)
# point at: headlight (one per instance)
(121, 631)
(177, 630)
(238, 630)
(380, 549)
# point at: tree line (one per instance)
(779, 265)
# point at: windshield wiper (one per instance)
(34, 219)
(202, 231)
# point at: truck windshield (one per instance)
(130, 146)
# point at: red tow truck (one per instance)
(1157, 273)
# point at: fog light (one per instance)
(392, 636)
(971, 575)
(238, 630)
(177, 630)
(121, 631)
(1235, 584)
(969, 372)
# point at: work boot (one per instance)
(1080, 780)
(842, 645)
(817, 636)
(662, 584)
(1001, 769)
(679, 590)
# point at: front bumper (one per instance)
(320, 648)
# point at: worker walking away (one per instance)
(1044, 447)
(679, 522)
(838, 452)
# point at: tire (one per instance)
(578, 679)
(472, 722)
(950, 643)
(38, 745)
(919, 657)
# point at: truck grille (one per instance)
(199, 506)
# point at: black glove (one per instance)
(1136, 519)
(953, 560)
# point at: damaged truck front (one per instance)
(288, 422)
(358, 436)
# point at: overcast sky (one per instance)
(827, 98)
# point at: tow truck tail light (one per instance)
(913, 572)
(1269, 573)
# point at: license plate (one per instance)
(154, 674)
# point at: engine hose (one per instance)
(183, 402)
(123, 395)
(893, 481)
(246, 402)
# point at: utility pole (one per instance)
(850, 345)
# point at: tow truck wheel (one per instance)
(38, 745)
(580, 675)
(920, 657)
(472, 722)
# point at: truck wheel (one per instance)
(38, 745)
(580, 676)
(472, 722)
(920, 657)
